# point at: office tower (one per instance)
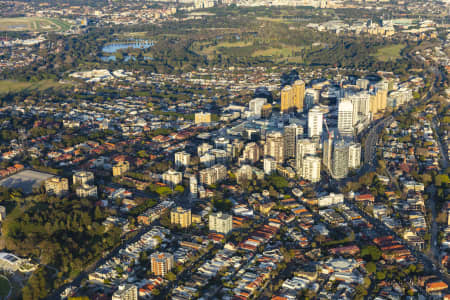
(340, 160)
(180, 216)
(311, 168)
(126, 292)
(193, 186)
(161, 263)
(266, 111)
(311, 98)
(255, 107)
(299, 94)
(57, 186)
(363, 83)
(290, 135)
(182, 159)
(244, 173)
(202, 117)
(270, 165)
(251, 153)
(361, 106)
(220, 222)
(328, 150)
(172, 177)
(274, 146)
(354, 155)
(287, 99)
(315, 120)
(304, 147)
(213, 175)
(345, 117)
(82, 177)
(203, 148)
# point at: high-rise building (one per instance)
(304, 147)
(287, 99)
(315, 122)
(202, 117)
(251, 153)
(203, 149)
(172, 177)
(220, 222)
(311, 98)
(270, 165)
(328, 150)
(182, 159)
(161, 263)
(340, 160)
(274, 146)
(291, 135)
(82, 177)
(193, 186)
(361, 106)
(299, 94)
(180, 216)
(354, 155)
(213, 175)
(255, 107)
(345, 117)
(57, 186)
(245, 172)
(311, 168)
(126, 292)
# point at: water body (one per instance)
(135, 44)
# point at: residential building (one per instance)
(311, 168)
(57, 186)
(244, 173)
(291, 134)
(340, 160)
(86, 191)
(220, 222)
(274, 146)
(327, 150)
(287, 99)
(203, 149)
(299, 94)
(82, 177)
(354, 155)
(161, 263)
(213, 175)
(315, 122)
(2, 213)
(193, 186)
(304, 147)
(121, 168)
(270, 165)
(182, 159)
(126, 292)
(180, 216)
(251, 153)
(172, 177)
(202, 117)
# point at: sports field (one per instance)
(33, 24)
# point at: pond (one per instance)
(135, 44)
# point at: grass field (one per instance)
(389, 52)
(33, 24)
(285, 51)
(209, 49)
(8, 86)
(5, 287)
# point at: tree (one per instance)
(371, 252)
(371, 267)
